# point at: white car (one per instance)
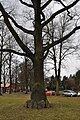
(78, 93)
(69, 93)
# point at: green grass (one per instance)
(63, 108)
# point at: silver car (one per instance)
(69, 93)
(78, 93)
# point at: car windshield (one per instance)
(72, 91)
(69, 91)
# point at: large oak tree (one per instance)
(39, 21)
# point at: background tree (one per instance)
(51, 84)
(25, 72)
(3, 43)
(59, 53)
(6, 44)
(77, 80)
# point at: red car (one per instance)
(49, 93)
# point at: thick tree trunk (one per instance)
(38, 69)
(38, 96)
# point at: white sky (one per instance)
(72, 65)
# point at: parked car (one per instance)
(78, 93)
(69, 93)
(49, 93)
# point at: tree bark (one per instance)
(38, 91)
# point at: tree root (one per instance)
(37, 104)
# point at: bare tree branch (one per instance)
(46, 4)
(28, 5)
(62, 39)
(65, 7)
(13, 51)
(15, 23)
(42, 16)
(59, 11)
(17, 38)
(20, 27)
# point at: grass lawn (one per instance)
(63, 108)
